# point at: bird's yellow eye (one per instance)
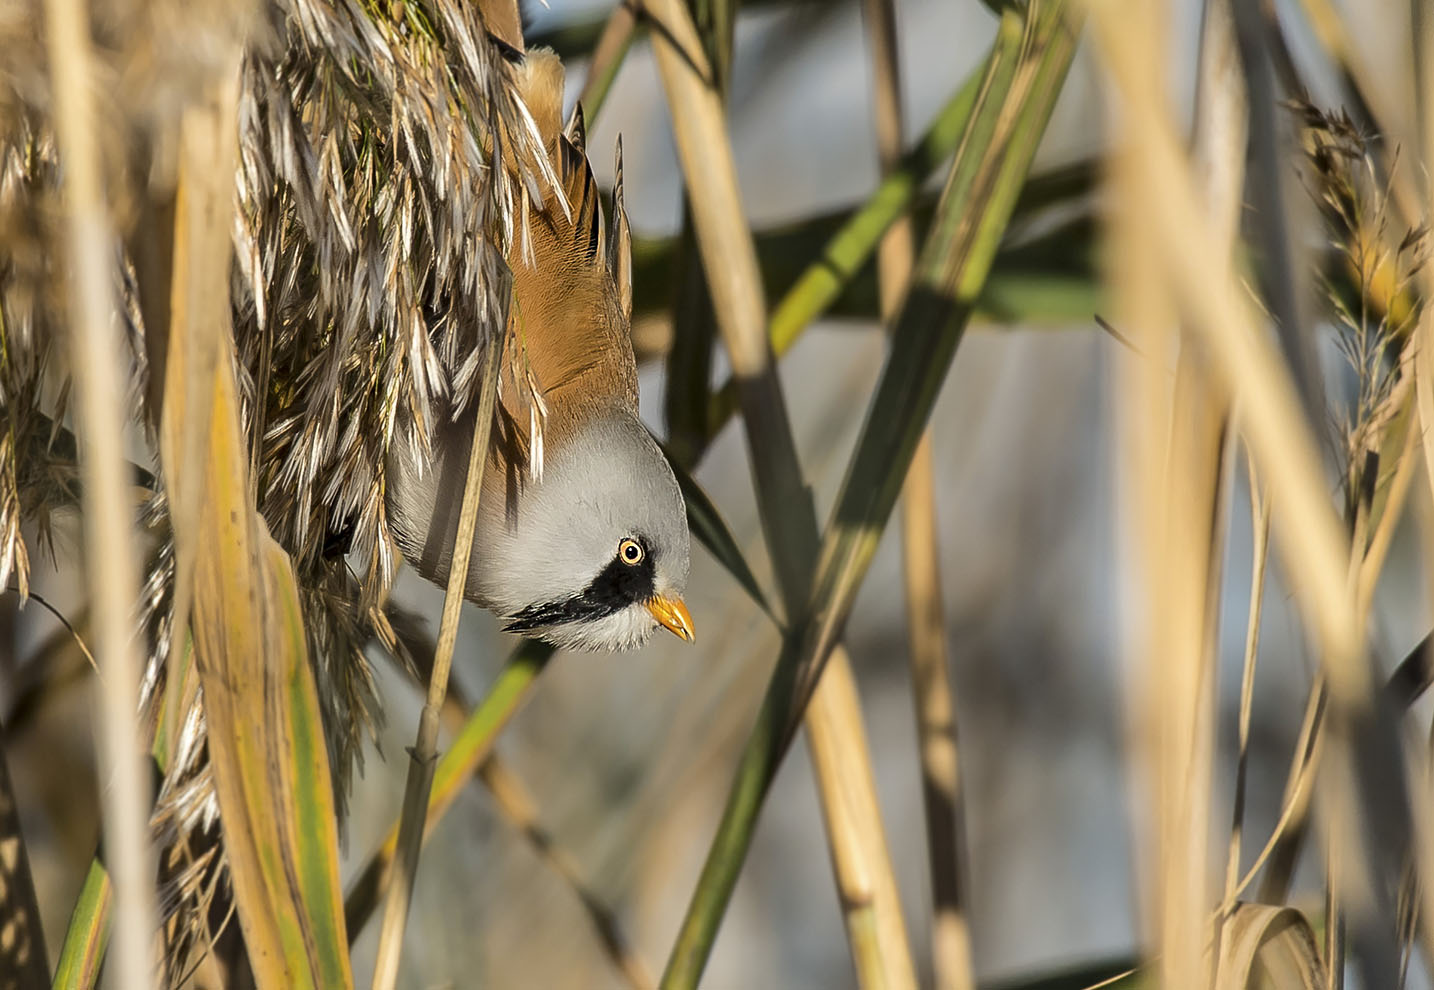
(630, 552)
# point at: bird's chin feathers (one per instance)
(624, 630)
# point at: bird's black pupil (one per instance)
(630, 552)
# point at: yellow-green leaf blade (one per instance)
(265, 736)
(88, 933)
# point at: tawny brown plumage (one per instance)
(570, 312)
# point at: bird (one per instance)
(582, 538)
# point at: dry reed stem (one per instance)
(424, 753)
(1172, 694)
(1221, 133)
(111, 562)
(607, 57)
(847, 790)
(1286, 454)
(1424, 332)
(936, 730)
(1174, 432)
(1260, 528)
(735, 284)
(1202, 279)
(1421, 778)
(1333, 913)
(863, 867)
(846, 785)
(935, 708)
(700, 125)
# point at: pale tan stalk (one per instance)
(864, 874)
(607, 57)
(1174, 429)
(1424, 332)
(935, 702)
(856, 835)
(1286, 454)
(1333, 913)
(1221, 132)
(1260, 529)
(1272, 419)
(424, 752)
(933, 695)
(1422, 775)
(111, 562)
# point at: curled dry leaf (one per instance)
(1269, 947)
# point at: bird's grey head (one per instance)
(595, 555)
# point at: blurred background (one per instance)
(629, 757)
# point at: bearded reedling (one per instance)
(582, 534)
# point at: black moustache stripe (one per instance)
(617, 587)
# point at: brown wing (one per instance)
(504, 23)
(567, 314)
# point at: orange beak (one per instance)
(673, 616)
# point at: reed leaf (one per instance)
(265, 733)
(822, 282)
(88, 933)
(266, 739)
(1027, 70)
(1270, 946)
(860, 235)
(1016, 95)
(791, 252)
(1051, 278)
